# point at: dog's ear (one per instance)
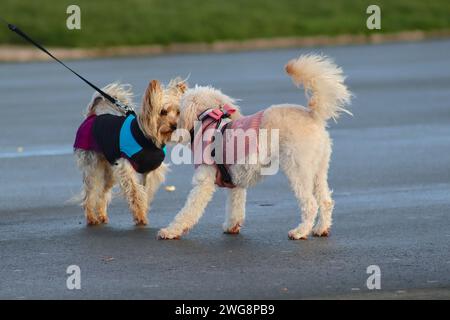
(178, 86)
(182, 86)
(153, 98)
(189, 108)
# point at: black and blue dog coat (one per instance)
(119, 137)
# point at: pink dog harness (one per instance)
(215, 125)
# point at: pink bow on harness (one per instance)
(229, 109)
(217, 114)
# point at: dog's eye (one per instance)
(178, 112)
(163, 112)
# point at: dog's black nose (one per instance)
(173, 127)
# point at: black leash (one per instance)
(114, 101)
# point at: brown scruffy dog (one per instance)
(128, 149)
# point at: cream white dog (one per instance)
(304, 149)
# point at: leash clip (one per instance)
(124, 107)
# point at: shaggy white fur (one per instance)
(304, 150)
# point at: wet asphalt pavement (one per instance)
(390, 173)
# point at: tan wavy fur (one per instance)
(157, 118)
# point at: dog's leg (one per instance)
(309, 207)
(153, 180)
(93, 181)
(235, 210)
(104, 197)
(195, 205)
(323, 195)
(133, 191)
(302, 184)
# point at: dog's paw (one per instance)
(140, 221)
(103, 219)
(166, 234)
(295, 234)
(321, 232)
(235, 229)
(92, 221)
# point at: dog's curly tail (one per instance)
(325, 80)
(99, 105)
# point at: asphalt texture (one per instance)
(390, 173)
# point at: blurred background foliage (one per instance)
(142, 22)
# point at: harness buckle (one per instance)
(216, 114)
